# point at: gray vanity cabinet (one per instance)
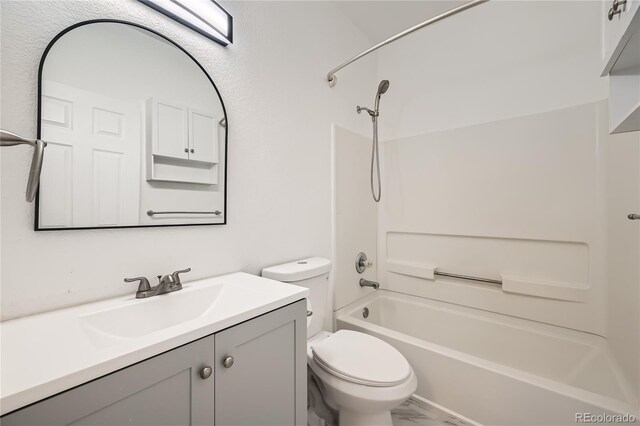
(265, 385)
(261, 370)
(164, 390)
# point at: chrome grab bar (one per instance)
(10, 139)
(467, 277)
(151, 213)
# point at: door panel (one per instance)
(203, 136)
(170, 129)
(56, 187)
(266, 385)
(107, 168)
(94, 144)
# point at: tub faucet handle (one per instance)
(362, 263)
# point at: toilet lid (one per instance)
(361, 358)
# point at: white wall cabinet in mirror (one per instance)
(182, 142)
(137, 132)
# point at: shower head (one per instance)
(382, 88)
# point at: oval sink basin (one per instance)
(144, 316)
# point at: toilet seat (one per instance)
(362, 359)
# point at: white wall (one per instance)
(126, 62)
(622, 162)
(498, 60)
(511, 198)
(280, 112)
(355, 214)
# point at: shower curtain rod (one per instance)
(332, 79)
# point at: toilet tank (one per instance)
(312, 273)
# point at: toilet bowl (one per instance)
(365, 395)
(360, 376)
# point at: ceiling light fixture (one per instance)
(204, 16)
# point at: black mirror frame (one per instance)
(39, 117)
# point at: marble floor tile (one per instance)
(416, 413)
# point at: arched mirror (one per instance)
(136, 132)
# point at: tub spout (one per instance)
(366, 283)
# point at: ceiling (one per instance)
(379, 20)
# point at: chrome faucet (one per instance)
(166, 284)
(367, 283)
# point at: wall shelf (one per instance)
(184, 161)
(167, 169)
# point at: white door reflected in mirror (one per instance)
(133, 124)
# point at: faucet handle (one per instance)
(176, 275)
(144, 283)
(362, 263)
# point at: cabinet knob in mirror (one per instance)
(228, 362)
(205, 373)
(192, 150)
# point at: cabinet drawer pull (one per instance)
(228, 362)
(205, 373)
(186, 150)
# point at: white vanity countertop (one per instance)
(44, 354)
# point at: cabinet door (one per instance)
(203, 136)
(170, 129)
(618, 30)
(164, 390)
(266, 385)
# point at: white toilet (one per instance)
(362, 377)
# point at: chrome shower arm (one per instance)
(11, 139)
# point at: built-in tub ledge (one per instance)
(509, 283)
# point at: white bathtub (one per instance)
(492, 368)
